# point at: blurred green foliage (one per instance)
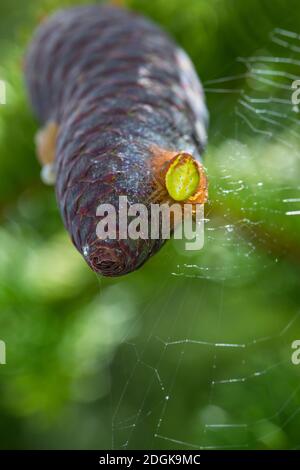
(137, 361)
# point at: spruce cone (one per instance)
(119, 98)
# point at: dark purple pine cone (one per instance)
(119, 102)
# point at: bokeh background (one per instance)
(194, 349)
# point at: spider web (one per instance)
(188, 330)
